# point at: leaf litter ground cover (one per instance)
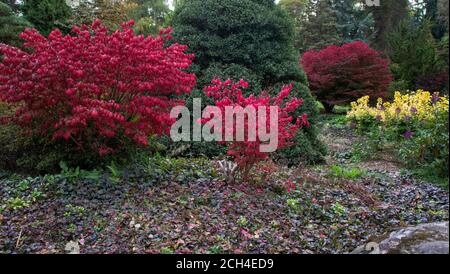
(209, 217)
(191, 210)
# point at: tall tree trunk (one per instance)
(387, 17)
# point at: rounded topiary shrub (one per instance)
(255, 34)
(250, 40)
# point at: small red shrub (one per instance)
(94, 89)
(340, 75)
(247, 153)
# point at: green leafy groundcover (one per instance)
(151, 209)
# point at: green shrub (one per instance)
(416, 125)
(46, 15)
(306, 148)
(234, 72)
(346, 173)
(341, 109)
(11, 26)
(320, 107)
(429, 146)
(179, 170)
(397, 85)
(13, 144)
(75, 174)
(414, 53)
(257, 35)
(250, 40)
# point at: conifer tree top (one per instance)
(255, 34)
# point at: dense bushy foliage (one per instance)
(419, 64)
(11, 26)
(254, 34)
(319, 27)
(328, 22)
(235, 73)
(387, 16)
(46, 15)
(9, 139)
(299, 12)
(435, 15)
(251, 40)
(426, 63)
(94, 91)
(434, 82)
(247, 152)
(416, 123)
(354, 22)
(149, 15)
(443, 11)
(307, 147)
(112, 13)
(13, 4)
(338, 75)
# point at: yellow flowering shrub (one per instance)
(420, 105)
(415, 124)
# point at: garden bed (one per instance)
(333, 209)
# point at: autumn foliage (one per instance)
(340, 75)
(93, 89)
(247, 153)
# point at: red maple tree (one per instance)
(340, 75)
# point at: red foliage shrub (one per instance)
(247, 153)
(339, 75)
(94, 89)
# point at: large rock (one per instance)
(421, 239)
(72, 248)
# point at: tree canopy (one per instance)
(46, 15)
(11, 26)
